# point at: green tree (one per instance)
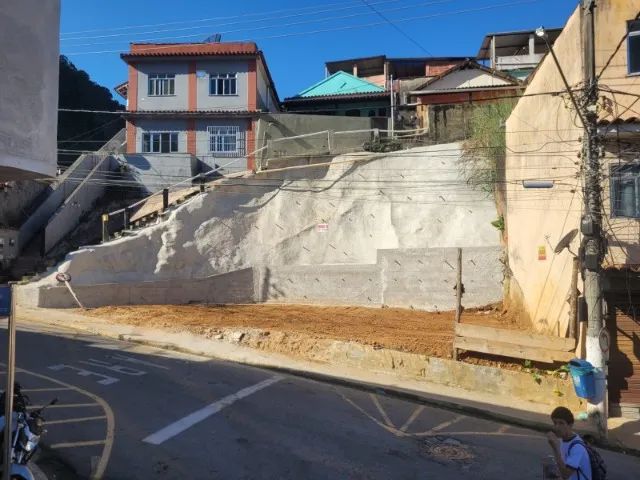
(83, 131)
(484, 152)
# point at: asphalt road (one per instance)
(132, 412)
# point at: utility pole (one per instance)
(591, 224)
(393, 109)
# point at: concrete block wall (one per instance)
(321, 284)
(425, 278)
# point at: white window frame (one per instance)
(220, 142)
(619, 177)
(225, 82)
(160, 134)
(633, 31)
(161, 85)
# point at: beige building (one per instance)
(543, 137)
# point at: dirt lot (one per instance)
(399, 329)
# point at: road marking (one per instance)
(106, 379)
(198, 416)
(412, 418)
(446, 424)
(141, 362)
(74, 420)
(52, 389)
(114, 367)
(89, 443)
(101, 466)
(385, 417)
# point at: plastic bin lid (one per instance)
(579, 362)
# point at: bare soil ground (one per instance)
(412, 331)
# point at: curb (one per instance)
(399, 393)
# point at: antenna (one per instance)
(566, 241)
(215, 38)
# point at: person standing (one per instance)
(569, 450)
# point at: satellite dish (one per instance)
(566, 241)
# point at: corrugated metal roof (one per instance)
(340, 83)
(324, 98)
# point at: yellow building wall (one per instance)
(543, 137)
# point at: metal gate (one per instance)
(623, 321)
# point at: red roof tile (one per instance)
(190, 49)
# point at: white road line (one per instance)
(141, 362)
(190, 420)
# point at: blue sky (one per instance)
(290, 32)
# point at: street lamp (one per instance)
(542, 33)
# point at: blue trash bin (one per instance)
(5, 300)
(582, 374)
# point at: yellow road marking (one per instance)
(52, 389)
(89, 443)
(74, 420)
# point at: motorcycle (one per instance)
(27, 428)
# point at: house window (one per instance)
(160, 142)
(162, 84)
(223, 84)
(353, 113)
(633, 46)
(226, 141)
(625, 191)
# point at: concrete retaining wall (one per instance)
(78, 203)
(321, 284)
(234, 287)
(64, 187)
(418, 278)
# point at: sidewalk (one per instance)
(623, 434)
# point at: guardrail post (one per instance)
(201, 180)
(125, 223)
(165, 199)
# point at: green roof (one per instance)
(340, 83)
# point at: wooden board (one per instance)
(513, 350)
(532, 340)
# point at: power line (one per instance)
(396, 28)
(248, 14)
(347, 27)
(267, 27)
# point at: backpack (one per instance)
(598, 467)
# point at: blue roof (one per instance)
(341, 83)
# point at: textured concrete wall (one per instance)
(153, 172)
(425, 278)
(417, 278)
(234, 287)
(29, 33)
(321, 284)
